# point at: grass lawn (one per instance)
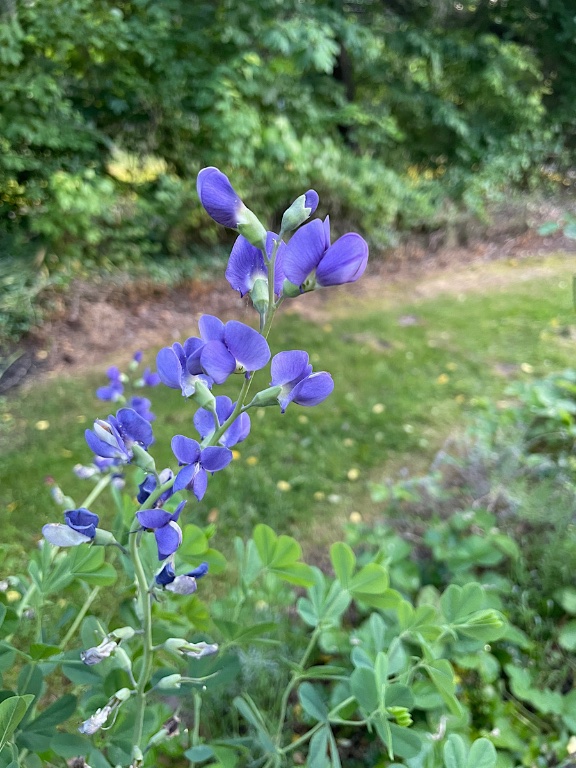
(408, 365)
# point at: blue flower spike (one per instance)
(223, 204)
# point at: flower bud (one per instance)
(142, 458)
(266, 397)
(123, 633)
(170, 681)
(137, 758)
(259, 295)
(300, 210)
(103, 538)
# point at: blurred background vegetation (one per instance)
(401, 114)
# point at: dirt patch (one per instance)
(97, 325)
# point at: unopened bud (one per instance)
(259, 295)
(170, 681)
(290, 290)
(300, 210)
(143, 459)
(103, 538)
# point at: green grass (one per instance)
(400, 390)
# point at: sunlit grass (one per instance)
(401, 387)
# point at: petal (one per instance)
(186, 450)
(168, 539)
(313, 390)
(214, 458)
(204, 420)
(100, 448)
(63, 536)
(211, 328)
(248, 347)
(135, 427)
(199, 484)
(237, 431)
(279, 275)
(311, 200)
(217, 361)
(166, 575)
(199, 571)
(111, 392)
(153, 518)
(218, 197)
(192, 345)
(326, 224)
(176, 514)
(182, 585)
(169, 367)
(343, 262)
(245, 264)
(82, 521)
(304, 251)
(185, 477)
(289, 366)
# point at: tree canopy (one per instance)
(389, 109)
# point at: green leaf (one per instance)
(455, 752)
(199, 753)
(458, 603)
(12, 710)
(318, 751)
(482, 754)
(312, 703)
(344, 562)
(39, 651)
(567, 599)
(250, 712)
(549, 228)
(442, 676)
(567, 636)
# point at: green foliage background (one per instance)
(394, 111)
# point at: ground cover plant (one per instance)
(365, 663)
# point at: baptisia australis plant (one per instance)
(270, 268)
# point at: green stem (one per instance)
(97, 490)
(146, 608)
(79, 616)
(293, 681)
(213, 440)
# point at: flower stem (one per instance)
(79, 616)
(146, 609)
(97, 490)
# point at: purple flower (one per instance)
(246, 265)
(114, 437)
(80, 528)
(230, 348)
(137, 357)
(149, 485)
(113, 391)
(236, 432)
(309, 259)
(196, 462)
(292, 371)
(219, 198)
(180, 585)
(150, 378)
(179, 366)
(166, 529)
(142, 407)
